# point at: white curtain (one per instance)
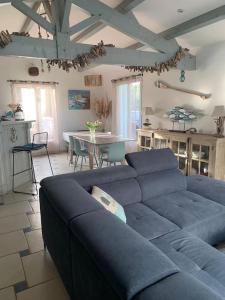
(39, 103)
(127, 110)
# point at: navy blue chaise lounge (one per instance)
(165, 251)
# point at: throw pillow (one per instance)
(109, 203)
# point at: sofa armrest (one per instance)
(68, 198)
(207, 187)
(176, 287)
(128, 262)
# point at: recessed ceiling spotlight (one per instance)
(180, 10)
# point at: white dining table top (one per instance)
(99, 138)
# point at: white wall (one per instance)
(209, 78)
(17, 69)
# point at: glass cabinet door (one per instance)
(145, 142)
(200, 159)
(180, 149)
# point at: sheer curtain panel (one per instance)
(39, 103)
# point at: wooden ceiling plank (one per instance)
(26, 10)
(84, 24)
(123, 7)
(126, 25)
(198, 22)
(47, 7)
(29, 22)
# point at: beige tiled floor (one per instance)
(35, 241)
(26, 270)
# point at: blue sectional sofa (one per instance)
(164, 252)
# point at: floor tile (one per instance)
(12, 242)
(20, 286)
(35, 220)
(36, 206)
(51, 290)
(11, 270)
(15, 208)
(39, 268)
(7, 294)
(13, 198)
(35, 241)
(13, 223)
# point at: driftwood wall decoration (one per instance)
(164, 85)
(5, 37)
(93, 80)
(81, 60)
(162, 67)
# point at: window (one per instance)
(128, 108)
(39, 104)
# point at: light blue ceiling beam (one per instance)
(26, 10)
(48, 10)
(127, 25)
(42, 48)
(203, 20)
(127, 5)
(28, 22)
(66, 16)
(124, 7)
(84, 24)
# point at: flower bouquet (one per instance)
(92, 126)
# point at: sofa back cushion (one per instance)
(157, 172)
(159, 183)
(125, 191)
(152, 161)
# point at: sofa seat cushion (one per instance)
(147, 222)
(196, 257)
(127, 261)
(180, 286)
(193, 213)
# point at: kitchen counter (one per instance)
(13, 133)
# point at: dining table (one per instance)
(93, 141)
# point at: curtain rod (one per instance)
(127, 78)
(33, 82)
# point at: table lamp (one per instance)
(148, 111)
(219, 115)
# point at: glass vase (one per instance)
(92, 131)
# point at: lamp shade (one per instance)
(148, 111)
(219, 111)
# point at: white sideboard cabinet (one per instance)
(197, 154)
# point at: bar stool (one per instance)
(42, 138)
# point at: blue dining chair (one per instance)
(78, 151)
(112, 153)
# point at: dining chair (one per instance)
(79, 151)
(112, 153)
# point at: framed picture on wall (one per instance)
(78, 99)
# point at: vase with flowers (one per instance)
(92, 126)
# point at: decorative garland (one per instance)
(81, 60)
(162, 67)
(5, 37)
